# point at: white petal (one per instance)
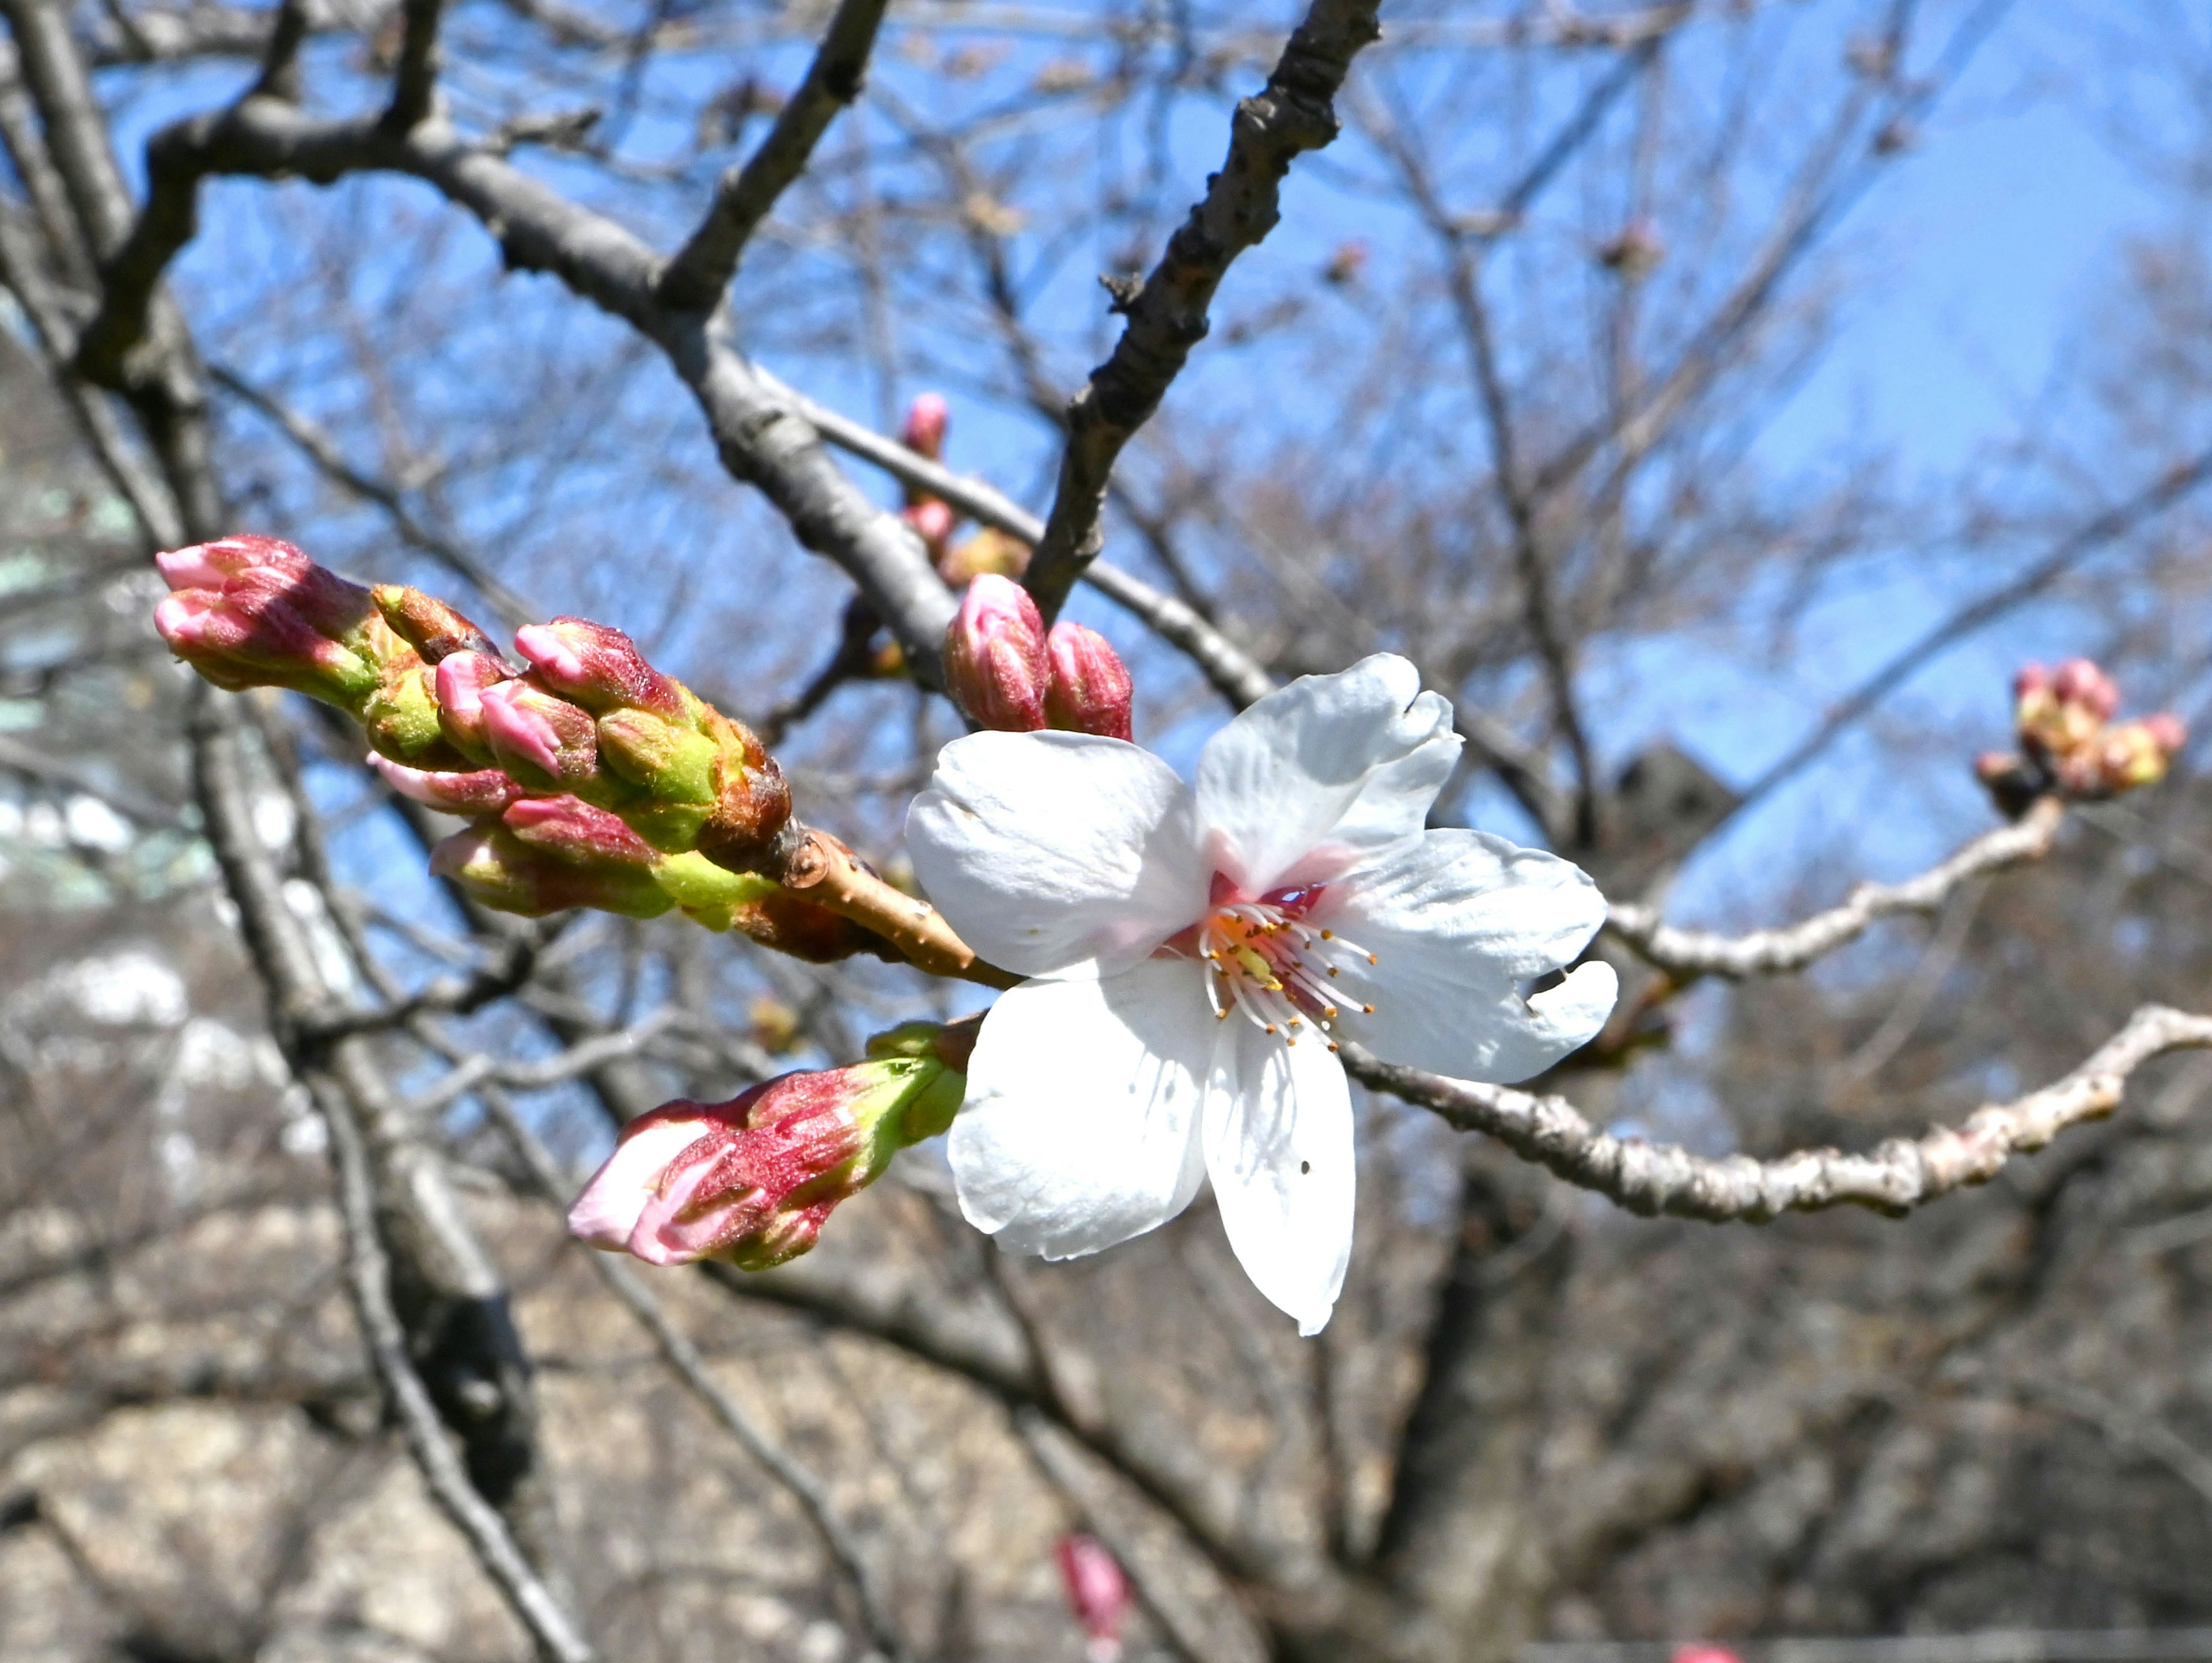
(1323, 773)
(1522, 912)
(1456, 922)
(1081, 1128)
(607, 1211)
(1042, 849)
(1278, 1147)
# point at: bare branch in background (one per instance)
(1687, 954)
(1294, 113)
(698, 273)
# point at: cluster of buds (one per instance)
(591, 778)
(2070, 746)
(1006, 672)
(1097, 1592)
(752, 1180)
(988, 550)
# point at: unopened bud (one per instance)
(2132, 755)
(752, 1180)
(990, 553)
(572, 830)
(509, 874)
(923, 430)
(1097, 1591)
(258, 570)
(461, 683)
(477, 791)
(433, 629)
(752, 800)
(599, 667)
(1088, 689)
(2031, 677)
(540, 738)
(259, 641)
(2079, 681)
(933, 520)
(994, 657)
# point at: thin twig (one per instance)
(322, 450)
(1899, 1174)
(1167, 317)
(368, 1276)
(702, 268)
(2114, 523)
(1687, 954)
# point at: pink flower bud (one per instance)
(933, 520)
(462, 681)
(260, 641)
(572, 830)
(1097, 1591)
(1089, 688)
(989, 551)
(484, 791)
(994, 657)
(2032, 677)
(753, 1180)
(599, 667)
(281, 575)
(539, 738)
(613, 1202)
(2129, 755)
(923, 430)
(2167, 731)
(2079, 681)
(1703, 1652)
(211, 565)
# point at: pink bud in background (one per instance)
(2167, 731)
(1088, 688)
(923, 430)
(1701, 1651)
(994, 657)
(2079, 681)
(483, 791)
(2030, 678)
(933, 520)
(599, 666)
(1097, 1591)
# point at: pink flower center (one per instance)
(1270, 963)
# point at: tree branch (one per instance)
(1688, 954)
(1295, 113)
(415, 82)
(369, 1274)
(1896, 1176)
(702, 268)
(759, 439)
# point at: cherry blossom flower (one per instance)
(1196, 952)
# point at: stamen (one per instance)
(1269, 963)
